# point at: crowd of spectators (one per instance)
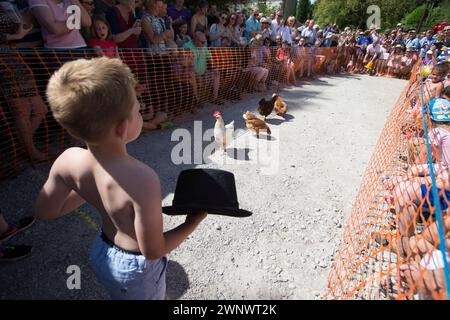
(183, 57)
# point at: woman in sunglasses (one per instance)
(219, 31)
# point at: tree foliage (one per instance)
(303, 10)
(354, 12)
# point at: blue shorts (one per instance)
(428, 196)
(127, 275)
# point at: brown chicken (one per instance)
(280, 106)
(254, 123)
(266, 106)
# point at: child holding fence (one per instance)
(128, 255)
(102, 41)
(414, 189)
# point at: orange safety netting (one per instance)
(169, 86)
(390, 248)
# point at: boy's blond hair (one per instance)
(88, 97)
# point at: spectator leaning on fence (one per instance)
(52, 17)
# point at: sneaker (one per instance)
(14, 253)
(22, 225)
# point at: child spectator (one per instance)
(435, 82)
(430, 59)
(284, 56)
(181, 36)
(128, 254)
(415, 188)
(102, 40)
(256, 66)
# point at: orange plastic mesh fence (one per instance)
(390, 247)
(169, 86)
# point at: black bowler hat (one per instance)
(206, 190)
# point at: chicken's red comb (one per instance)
(217, 113)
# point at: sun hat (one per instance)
(430, 52)
(206, 190)
(440, 110)
(265, 20)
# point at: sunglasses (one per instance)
(224, 17)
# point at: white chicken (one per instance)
(223, 134)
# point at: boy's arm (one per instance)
(148, 222)
(56, 198)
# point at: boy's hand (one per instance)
(196, 218)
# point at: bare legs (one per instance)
(28, 114)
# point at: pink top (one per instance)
(440, 137)
(70, 40)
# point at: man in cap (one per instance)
(426, 43)
(412, 41)
(252, 26)
(266, 30)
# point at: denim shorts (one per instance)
(126, 275)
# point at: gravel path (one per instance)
(301, 190)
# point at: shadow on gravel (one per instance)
(239, 153)
(176, 280)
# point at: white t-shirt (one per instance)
(276, 28)
(434, 260)
(371, 49)
(286, 34)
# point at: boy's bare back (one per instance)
(117, 189)
(95, 101)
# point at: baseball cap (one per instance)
(440, 110)
(430, 52)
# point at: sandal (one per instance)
(22, 225)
